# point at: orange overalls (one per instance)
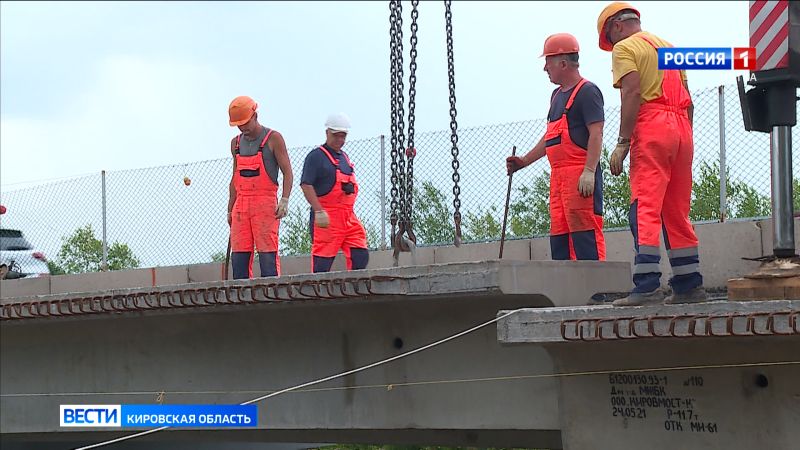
(576, 222)
(661, 188)
(345, 231)
(253, 221)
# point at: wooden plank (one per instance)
(743, 289)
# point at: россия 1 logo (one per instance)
(706, 58)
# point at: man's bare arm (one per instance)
(311, 196)
(278, 146)
(631, 100)
(595, 144)
(231, 187)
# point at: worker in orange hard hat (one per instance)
(254, 211)
(572, 143)
(656, 127)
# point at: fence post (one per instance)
(383, 192)
(723, 169)
(104, 266)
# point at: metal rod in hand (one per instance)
(508, 199)
(227, 260)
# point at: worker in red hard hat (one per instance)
(572, 143)
(329, 185)
(656, 128)
(254, 211)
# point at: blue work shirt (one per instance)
(320, 173)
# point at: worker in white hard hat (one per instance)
(329, 184)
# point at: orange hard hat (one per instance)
(241, 110)
(560, 44)
(608, 12)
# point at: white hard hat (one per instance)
(338, 122)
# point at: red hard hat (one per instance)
(560, 44)
(2, 209)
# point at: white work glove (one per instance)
(321, 219)
(619, 155)
(586, 182)
(283, 208)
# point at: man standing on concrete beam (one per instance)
(656, 127)
(254, 211)
(572, 143)
(329, 184)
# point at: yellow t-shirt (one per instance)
(635, 54)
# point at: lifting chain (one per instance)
(400, 105)
(393, 115)
(402, 176)
(448, 16)
(411, 150)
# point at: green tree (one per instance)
(616, 195)
(295, 235)
(433, 219)
(218, 256)
(743, 200)
(373, 235)
(747, 202)
(54, 268)
(482, 225)
(529, 213)
(83, 252)
(796, 194)
(705, 193)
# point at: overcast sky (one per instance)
(92, 85)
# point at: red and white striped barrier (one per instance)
(769, 33)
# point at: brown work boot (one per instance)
(696, 295)
(641, 298)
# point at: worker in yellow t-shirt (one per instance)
(656, 127)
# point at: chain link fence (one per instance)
(151, 217)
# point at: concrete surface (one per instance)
(197, 273)
(543, 325)
(734, 404)
(236, 353)
(722, 246)
(766, 235)
(537, 279)
(25, 287)
(692, 393)
(60, 284)
(516, 250)
(231, 353)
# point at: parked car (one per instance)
(19, 255)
